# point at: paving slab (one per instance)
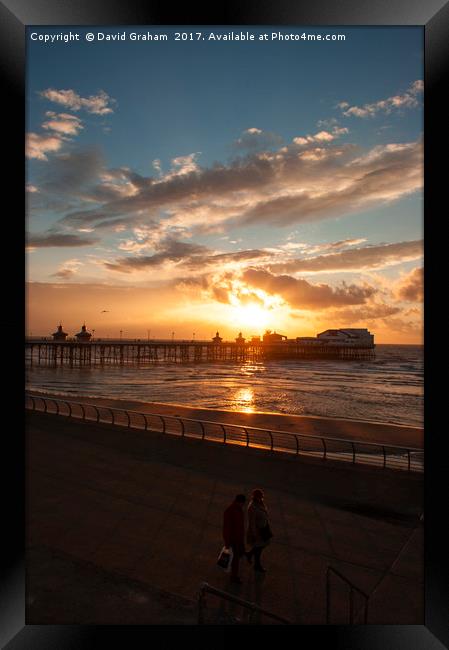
(149, 507)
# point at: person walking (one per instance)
(234, 533)
(259, 532)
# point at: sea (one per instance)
(388, 388)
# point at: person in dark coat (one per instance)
(234, 533)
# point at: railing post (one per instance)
(203, 431)
(353, 453)
(224, 432)
(408, 453)
(163, 424)
(271, 440)
(297, 444)
(112, 416)
(129, 419)
(56, 403)
(325, 448)
(98, 413)
(247, 436)
(83, 411)
(183, 430)
(45, 404)
(385, 456)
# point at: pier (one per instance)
(73, 353)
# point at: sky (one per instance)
(192, 186)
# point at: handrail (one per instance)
(240, 426)
(352, 588)
(207, 588)
(374, 448)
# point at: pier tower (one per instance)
(59, 335)
(83, 336)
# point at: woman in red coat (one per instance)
(234, 533)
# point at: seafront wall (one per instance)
(362, 430)
(323, 445)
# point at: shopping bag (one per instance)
(225, 559)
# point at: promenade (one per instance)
(124, 525)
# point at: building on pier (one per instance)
(60, 335)
(347, 337)
(83, 336)
(217, 338)
(273, 337)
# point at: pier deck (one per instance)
(100, 353)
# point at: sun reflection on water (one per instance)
(244, 400)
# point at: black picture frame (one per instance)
(15, 15)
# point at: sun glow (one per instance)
(250, 316)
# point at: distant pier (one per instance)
(72, 353)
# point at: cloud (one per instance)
(37, 146)
(301, 294)
(281, 187)
(411, 287)
(68, 269)
(99, 104)
(318, 248)
(320, 137)
(72, 173)
(409, 99)
(55, 239)
(220, 259)
(355, 259)
(363, 314)
(168, 251)
(62, 123)
(64, 274)
(182, 165)
(254, 138)
(402, 326)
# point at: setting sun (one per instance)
(250, 315)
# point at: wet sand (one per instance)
(375, 432)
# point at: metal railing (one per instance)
(352, 590)
(224, 595)
(322, 447)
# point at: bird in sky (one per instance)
(104, 311)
